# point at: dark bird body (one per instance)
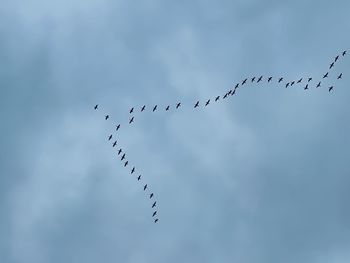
(217, 98)
(318, 85)
(325, 75)
(309, 79)
(167, 108)
(253, 79)
(154, 108)
(339, 77)
(154, 204)
(207, 103)
(131, 120)
(197, 104)
(280, 80)
(306, 87)
(139, 178)
(330, 88)
(96, 106)
(260, 79)
(110, 137)
(123, 157)
(118, 127)
(300, 80)
(269, 79)
(132, 170)
(178, 105)
(115, 143)
(106, 117)
(145, 187)
(156, 220)
(150, 196)
(143, 108)
(131, 110)
(126, 163)
(155, 212)
(120, 151)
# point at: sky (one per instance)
(260, 177)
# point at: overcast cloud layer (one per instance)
(262, 177)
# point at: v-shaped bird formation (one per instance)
(306, 83)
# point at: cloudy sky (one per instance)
(260, 177)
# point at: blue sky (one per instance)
(260, 177)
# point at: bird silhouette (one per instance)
(207, 103)
(292, 83)
(309, 79)
(287, 85)
(236, 87)
(143, 108)
(253, 78)
(131, 120)
(120, 151)
(225, 96)
(145, 187)
(154, 108)
(115, 143)
(155, 212)
(339, 77)
(336, 58)
(96, 106)
(131, 110)
(344, 53)
(325, 75)
(244, 81)
(154, 204)
(106, 117)
(110, 137)
(330, 88)
(306, 87)
(178, 105)
(217, 98)
(260, 78)
(318, 85)
(167, 108)
(280, 79)
(331, 65)
(150, 196)
(126, 163)
(132, 170)
(300, 80)
(123, 157)
(230, 92)
(156, 220)
(139, 178)
(118, 127)
(269, 79)
(197, 104)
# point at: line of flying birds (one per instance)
(121, 153)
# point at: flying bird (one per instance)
(120, 151)
(156, 220)
(269, 79)
(106, 117)
(145, 187)
(309, 79)
(178, 105)
(143, 108)
(344, 53)
(339, 77)
(115, 143)
(197, 104)
(132, 170)
(306, 87)
(154, 108)
(110, 137)
(292, 83)
(330, 88)
(253, 79)
(236, 87)
(118, 127)
(155, 212)
(260, 78)
(207, 103)
(244, 81)
(325, 75)
(230, 92)
(300, 80)
(126, 163)
(167, 108)
(331, 65)
(131, 120)
(336, 58)
(150, 196)
(154, 204)
(96, 106)
(217, 98)
(139, 178)
(123, 157)
(287, 85)
(131, 110)
(318, 85)
(280, 80)
(233, 92)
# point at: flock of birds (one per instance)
(307, 84)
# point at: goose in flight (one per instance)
(145, 187)
(330, 88)
(207, 103)
(280, 79)
(344, 53)
(325, 75)
(178, 105)
(306, 87)
(115, 143)
(106, 117)
(292, 83)
(131, 120)
(118, 127)
(131, 110)
(299, 80)
(331, 65)
(269, 79)
(155, 212)
(167, 108)
(336, 58)
(244, 81)
(96, 106)
(309, 79)
(259, 79)
(318, 85)
(154, 108)
(132, 170)
(126, 163)
(123, 157)
(287, 85)
(110, 137)
(143, 108)
(150, 196)
(120, 151)
(154, 204)
(139, 178)
(217, 98)
(156, 220)
(253, 79)
(197, 104)
(339, 77)
(236, 87)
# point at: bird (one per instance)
(336, 58)
(131, 110)
(344, 53)
(269, 79)
(120, 151)
(145, 187)
(150, 196)
(207, 103)
(236, 87)
(330, 88)
(96, 106)
(154, 204)
(118, 127)
(106, 117)
(325, 75)
(155, 212)
(225, 96)
(318, 85)
(292, 83)
(287, 85)
(331, 65)
(110, 137)
(178, 105)
(123, 157)
(233, 92)
(230, 92)
(132, 170)
(300, 80)
(309, 79)
(217, 98)
(156, 220)
(253, 78)
(306, 87)
(339, 77)
(197, 104)
(167, 108)
(139, 178)
(244, 81)
(154, 108)
(280, 79)
(131, 120)
(115, 143)
(260, 78)
(143, 108)
(126, 163)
